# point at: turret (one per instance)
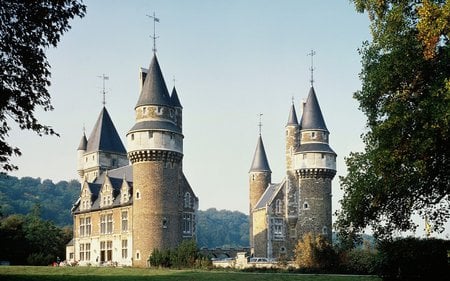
(292, 138)
(155, 149)
(315, 166)
(260, 178)
(80, 152)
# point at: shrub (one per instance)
(414, 259)
(315, 252)
(40, 259)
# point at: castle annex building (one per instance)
(281, 213)
(125, 211)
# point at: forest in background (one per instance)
(215, 228)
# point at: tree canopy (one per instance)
(404, 169)
(27, 30)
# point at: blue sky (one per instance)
(231, 61)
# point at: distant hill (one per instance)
(19, 196)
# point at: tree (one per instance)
(404, 169)
(27, 29)
(314, 252)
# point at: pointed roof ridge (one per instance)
(83, 142)
(104, 136)
(260, 162)
(292, 119)
(154, 91)
(312, 118)
(174, 98)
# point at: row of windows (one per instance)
(106, 224)
(85, 251)
(159, 111)
(150, 135)
(278, 229)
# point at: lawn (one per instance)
(120, 274)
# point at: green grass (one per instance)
(125, 274)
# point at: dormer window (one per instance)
(278, 206)
(187, 200)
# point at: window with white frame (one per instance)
(87, 248)
(82, 227)
(109, 250)
(88, 226)
(82, 252)
(124, 249)
(187, 200)
(187, 223)
(278, 228)
(278, 206)
(109, 223)
(124, 221)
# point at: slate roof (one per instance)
(83, 143)
(154, 91)
(292, 119)
(104, 136)
(155, 125)
(260, 162)
(315, 147)
(174, 98)
(269, 194)
(312, 118)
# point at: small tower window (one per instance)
(132, 137)
(144, 110)
(323, 155)
(138, 195)
(187, 200)
(138, 255)
(278, 206)
(164, 222)
(150, 135)
(313, 135)
(325, 230)
(305, 206)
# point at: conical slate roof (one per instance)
(292, 120)
(312, 118)
(174, 98)
(154, 91)
(83, 143)
(260, 163)
(104, 136)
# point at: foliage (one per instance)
(362, 260)
(27, 30)
(406, 98)
(31, 240)
(45, 273)
(414, 259)
(222, 228)
(314, 252)
(19, 196)
(186, 255)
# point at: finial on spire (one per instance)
(293, 99)
(154, 37)
(103, 77)
(174, 80)
(84, 129)
(312, 53)
(260, 123)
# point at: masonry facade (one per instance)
(282, 213)
(138, 199)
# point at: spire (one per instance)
(312, 118)
(292, 119)
(174, 98)
(154, 91)
(83, 142)
(260, 163)
(104, 136)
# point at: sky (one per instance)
(230, 62)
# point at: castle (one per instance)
(281, 213)
(125, 211)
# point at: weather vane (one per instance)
(154, 37)
(260, 123)
(104, 77)
(312, 66)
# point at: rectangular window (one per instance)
(87, 248)
(88, 226)
(102, 251)
(124, 249)
(124, 221)
(187, 223)
(109, 250)
(278, 228)
(103, 224)
(109, 221)
(81, 252)
(82, 227)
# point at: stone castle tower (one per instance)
(126, 211)
(155, 149)
(280, 214)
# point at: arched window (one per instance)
(278, 206)
(305, 206)
(187, 200)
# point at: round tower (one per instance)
(80, 153)
(260, 178)
(315, 166)
(155, 149)
(292, 138)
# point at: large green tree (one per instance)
(405, 167)
(27, 29)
